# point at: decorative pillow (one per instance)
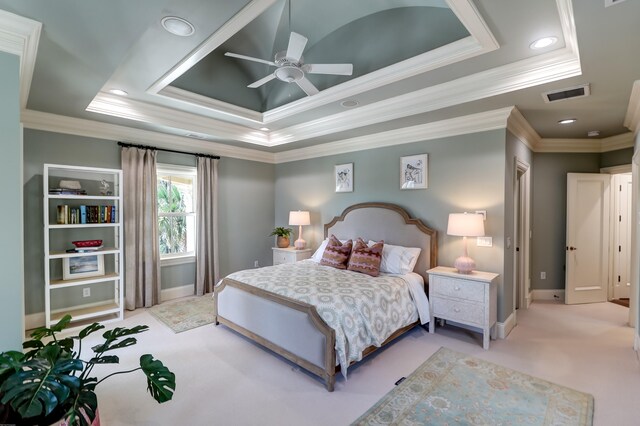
(317, 255)
(366, 259)
(336, 254)
(398, 259)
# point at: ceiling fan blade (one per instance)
(335, 69)
(261, 81)
(307, 86)
(249, 58)
(297, 43)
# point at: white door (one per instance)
(622, 246)
(587, 248)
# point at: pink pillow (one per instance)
(366, 259)
(336, 254)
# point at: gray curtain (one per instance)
(207, 270)
(142, 254)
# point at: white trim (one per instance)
(548, 295)
(177, 260)
(20, 36)
(504, 328)
(632, 118)
(614, 170)
(520, 127)
(524, 238)
(174, 169)
(484, 121)
(20, 243)
(94, 129)
(613, 143)
(177, 292)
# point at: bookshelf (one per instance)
(88, 285)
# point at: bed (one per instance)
(293, 328)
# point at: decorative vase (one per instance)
(283, 242)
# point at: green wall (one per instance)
(11, 288)
(246, 199)
(466, 173)
(550, 208)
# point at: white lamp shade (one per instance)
(466, 225)
(300, 218)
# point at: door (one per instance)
(622, 245)
(587, 246)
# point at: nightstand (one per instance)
(469, 299)
(290, 255)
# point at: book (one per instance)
(60, 218)
(83, 214)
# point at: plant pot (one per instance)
(283, 242)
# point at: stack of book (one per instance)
(86, 214)
(66, 191)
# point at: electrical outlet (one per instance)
(86, 292)
(483, 213)
(543, 275)
(484, 242)
(256, 264)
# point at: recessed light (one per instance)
(593, 133)
(264, 129)
(178, 26)
(543, 42)
(349, 103)
(568, 121)
(118, 92)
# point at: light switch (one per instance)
(508, 242)
(485, 242)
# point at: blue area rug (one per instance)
(451, 388)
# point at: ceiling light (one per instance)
(568, 121)
(118, 92)
(349, 103)
(593, 133)
(178, 26)
(264, 129)
(543, 42)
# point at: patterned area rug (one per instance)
(185, 314)
(451, 388)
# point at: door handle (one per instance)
(571, 248)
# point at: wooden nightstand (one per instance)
(469, 299)
(290, 255)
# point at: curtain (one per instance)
(207, 270)
(142, 254)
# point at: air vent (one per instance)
(608, 3)
(568, 93)
(195, 136)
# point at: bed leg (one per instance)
(330, 382)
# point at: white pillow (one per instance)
(317, 256)
(398, 259)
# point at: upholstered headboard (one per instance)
(388, 222)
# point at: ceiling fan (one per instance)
(291, 67)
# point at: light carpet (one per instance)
(185, 314)
(454, 388)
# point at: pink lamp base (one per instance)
(464, 264)
(300, 244)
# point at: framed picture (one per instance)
(344, 177)
(82, 266)
(413, 172)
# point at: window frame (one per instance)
(170, 259)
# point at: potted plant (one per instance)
(50, 381)
(283, 236)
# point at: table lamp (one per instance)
(465, 225)
(299, 218)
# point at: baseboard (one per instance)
(504, 328)
(177, 292)
(557, 295)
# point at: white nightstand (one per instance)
(290, 255)
(469, 299)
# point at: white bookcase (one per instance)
(97, 293)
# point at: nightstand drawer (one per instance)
(280, 257)
(457, 310)
(459, 289)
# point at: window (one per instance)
(176, 211)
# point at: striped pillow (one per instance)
(336, 254)
(366, 259)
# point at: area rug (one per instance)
(185, 314)
(451, 388)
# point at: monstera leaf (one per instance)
(160, 381)
(42, 384)
(84, 407)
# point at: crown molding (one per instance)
(485, 121)
(613, 143)
(520, 127)
(94, 129)
(632, 118)
(20, 36)
(119, 106)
